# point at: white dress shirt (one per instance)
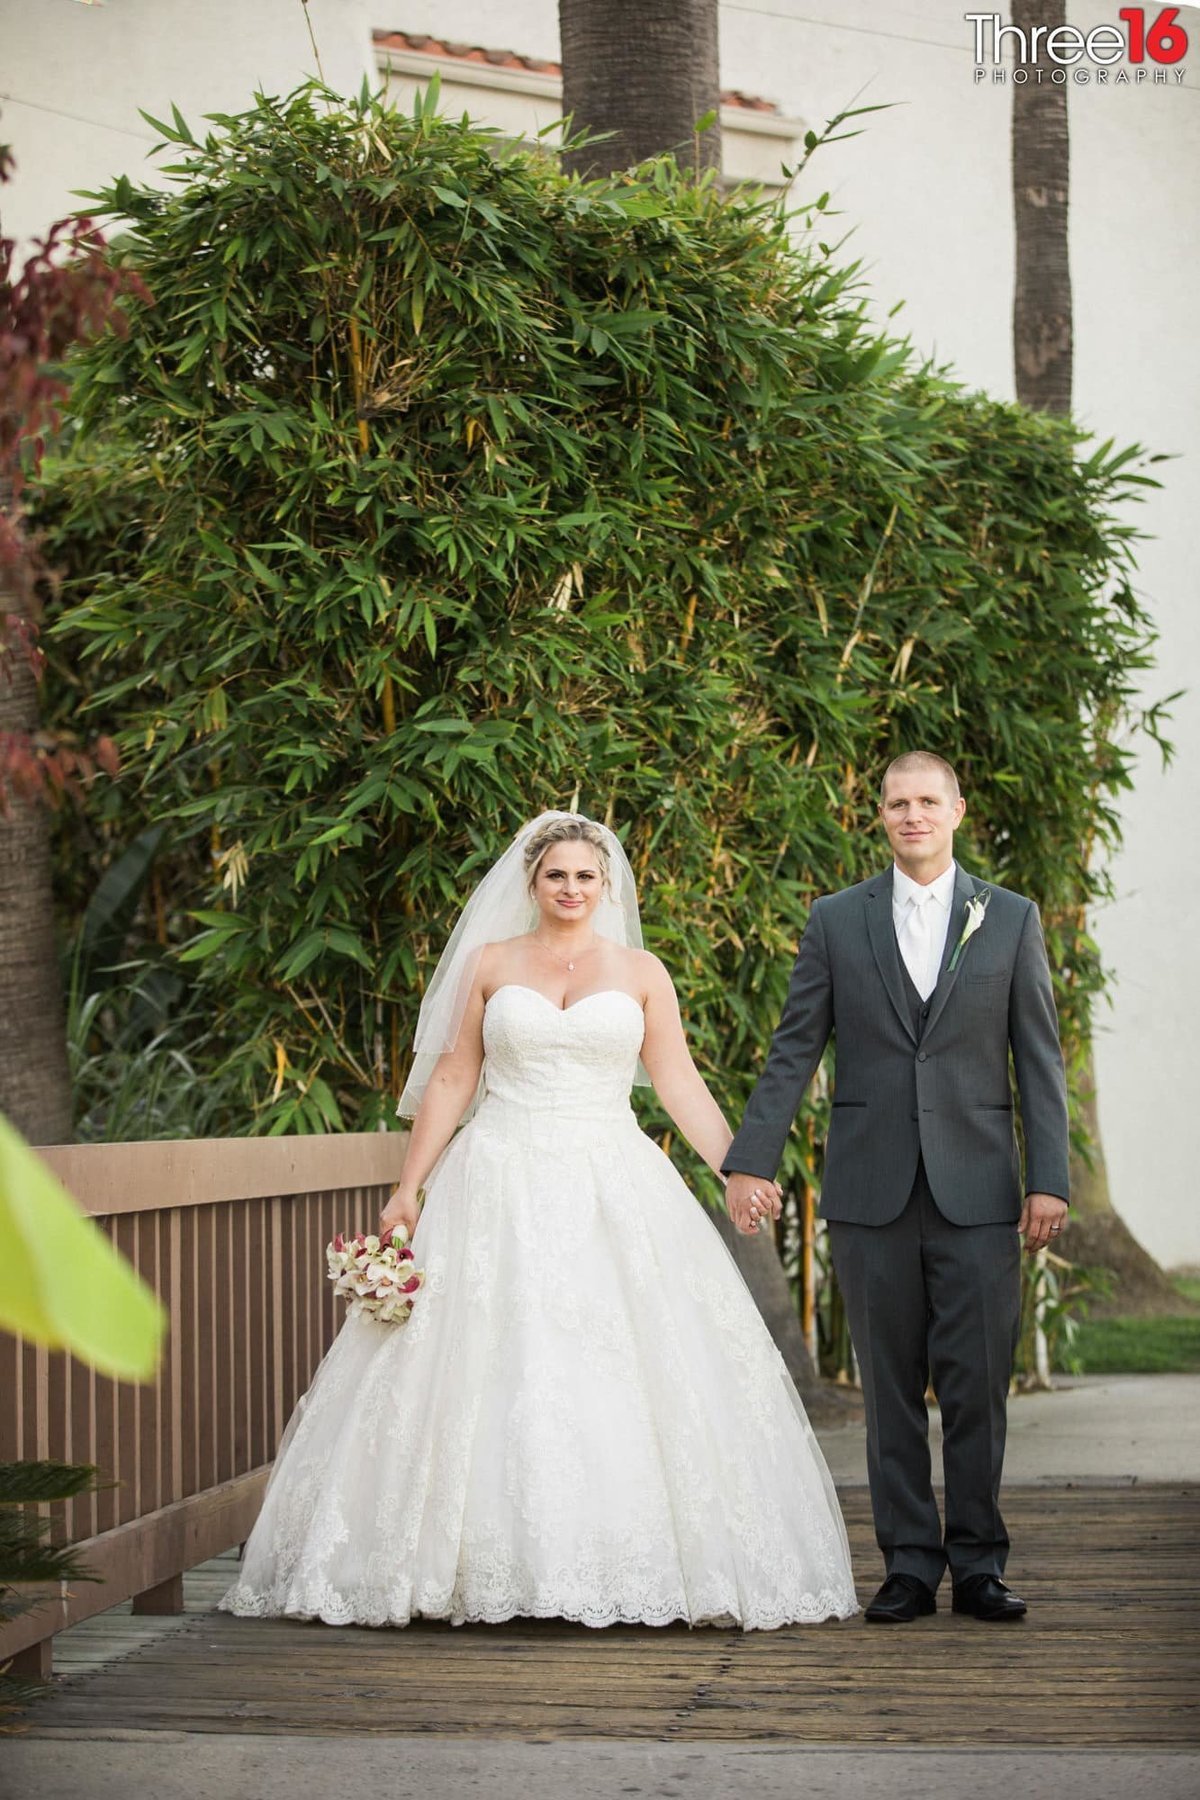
(921, 916)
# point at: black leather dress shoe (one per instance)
(902, 1597)
(986, 1597)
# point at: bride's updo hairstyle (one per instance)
(572, 828)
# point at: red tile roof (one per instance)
(512, 59)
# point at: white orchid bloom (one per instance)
(976, 911)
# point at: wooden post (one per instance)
(35, 1662)
(164, 1597)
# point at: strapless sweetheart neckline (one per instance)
(524, 988)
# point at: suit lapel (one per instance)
(965, 887)
(882, 934)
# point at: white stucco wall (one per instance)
(925, 191)
(73, 76)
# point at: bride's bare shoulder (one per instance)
(494, 958)
(648, 970)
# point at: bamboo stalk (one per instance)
(356, 369)
(808, 1270)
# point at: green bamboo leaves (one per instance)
(434, 488)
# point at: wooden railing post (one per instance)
(35, 1662)
(164, 1597)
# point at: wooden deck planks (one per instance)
(1110, 1655)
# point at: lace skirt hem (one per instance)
(805, 1609)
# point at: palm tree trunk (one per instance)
(35, 1081)
(1099, 1236)
(1043, 357)
(646, 73)
(1043, 349)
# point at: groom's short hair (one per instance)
(921, 759)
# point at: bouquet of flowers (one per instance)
(375, 1273)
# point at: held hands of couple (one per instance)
(1043, 1217)
(751, 1198)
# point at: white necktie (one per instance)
(918, 945)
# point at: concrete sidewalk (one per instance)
(1092, 1428)
(175, 1767)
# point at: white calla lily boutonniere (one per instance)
(976, 910)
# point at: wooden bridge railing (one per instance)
(230, 1233)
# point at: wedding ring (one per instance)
(1055, 1228)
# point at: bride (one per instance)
(585, 1416)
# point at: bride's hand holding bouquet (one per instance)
(403, 1208)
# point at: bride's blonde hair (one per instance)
(572, 828)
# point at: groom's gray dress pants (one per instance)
(930, 1300)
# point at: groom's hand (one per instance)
(751, 1198)
(1042, 1219)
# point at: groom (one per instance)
(927, 979)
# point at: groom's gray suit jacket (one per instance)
(918, 1080)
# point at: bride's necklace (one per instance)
(561, 959)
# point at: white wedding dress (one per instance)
(584, 1418)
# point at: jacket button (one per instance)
(922, 1056)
